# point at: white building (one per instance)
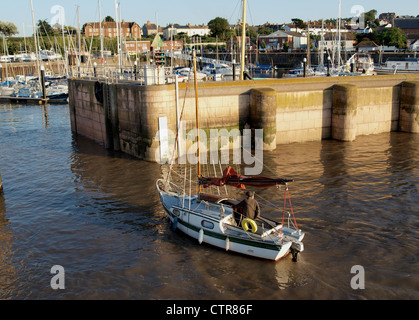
(331, 41)
(188, 30)
(414, 46)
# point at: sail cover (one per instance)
(231, 178)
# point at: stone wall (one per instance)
(125, 116)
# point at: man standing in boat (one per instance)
(249, 208)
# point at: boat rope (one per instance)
(177, 132)
(287, 194)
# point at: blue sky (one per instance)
(193, 11)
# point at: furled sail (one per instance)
(231, 178)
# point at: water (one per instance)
(70, 202)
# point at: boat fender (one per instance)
(201, 236)
(227, 243)
(99, 91)
(175, 220)
(252, 223)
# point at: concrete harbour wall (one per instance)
(125, 116)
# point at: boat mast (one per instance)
(197, 116)
(308, 46)
(117, 36)
(243, 42)
(100, 33)
(79, 33)
(339, 32)
(322, 45)
(36, 45)
(64, 48)
(5, 53)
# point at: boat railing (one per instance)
(141, 75)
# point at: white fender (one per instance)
(201, 236)
(227, 244)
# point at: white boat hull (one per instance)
(202, 223)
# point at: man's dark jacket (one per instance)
(250, 208)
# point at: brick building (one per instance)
(128, 29)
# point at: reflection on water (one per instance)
(71, 202)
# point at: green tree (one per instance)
(109, 19)
(393, 37)
(44, 28)
(369, 17)
(299, 23)
(218, 27)
(265, 30)
(8, 28)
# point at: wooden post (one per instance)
(44, 91)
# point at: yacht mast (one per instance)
(243, 42)
(197, 116)
(339, 46)
(36, 45)
(100, 33)
(64, 49)
(117, 36)
(322, 45)
(79, 33)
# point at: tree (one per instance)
(299, 23)
(109, 19)
(8, 28)
(265, 30)
(218, 27)
(44, 28)
(393, 37)
(369, 17)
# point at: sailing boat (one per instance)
(210, 218)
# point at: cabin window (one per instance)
(176, 212)
(207, 224)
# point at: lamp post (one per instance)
(305, 66)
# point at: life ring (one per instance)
(252, 225)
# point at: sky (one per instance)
(192, 11)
